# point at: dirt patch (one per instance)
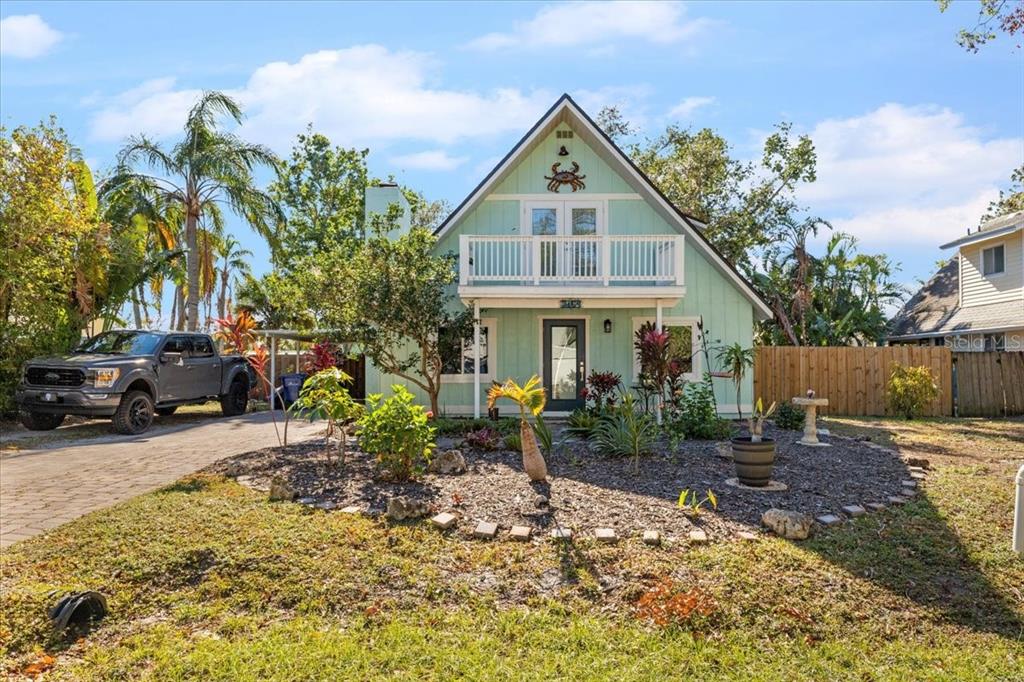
(586, 491)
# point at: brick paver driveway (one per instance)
(43, 488)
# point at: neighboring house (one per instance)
(976, 301)
(565, 249)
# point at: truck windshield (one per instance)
(130, 343)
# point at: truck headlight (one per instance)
(105, 378)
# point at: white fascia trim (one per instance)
(588, 196)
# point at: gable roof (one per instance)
(566, 110)
(996, 227)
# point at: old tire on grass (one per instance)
(40, 421)
(134, 414)
(166, 411)
(234, 402)
(754, 461)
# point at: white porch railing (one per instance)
(598, 259)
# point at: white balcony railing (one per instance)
(599, 259)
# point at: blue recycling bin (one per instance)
(289, 386)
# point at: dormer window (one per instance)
(992, 261)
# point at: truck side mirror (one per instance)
(170, 357)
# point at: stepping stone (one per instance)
(698, 537)
(898, 501)
(606, 535)
(746, 535)
(326, 506)
(854, 510)
(652, 537)
(913, 469)
(562, 533)
(918, 475)
(829, 520)
(351, 509)
(485, 530)
(908, 484)
(875, 506)
(520, 533)
(306, 500)
(444, 520)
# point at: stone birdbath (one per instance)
(811, 405)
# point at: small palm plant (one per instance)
(530, 398)
(737, 360)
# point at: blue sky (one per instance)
(914, 134)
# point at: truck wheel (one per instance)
(166, 411)
(40, 421)
(134, 414)
(234, 402)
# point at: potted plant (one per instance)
(754, 455)
(530, 398)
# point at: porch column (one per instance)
(273, 368)
(657, 325)
(476, 359)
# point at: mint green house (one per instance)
(565, 249)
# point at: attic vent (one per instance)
(563, 134)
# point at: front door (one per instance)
(565, 363)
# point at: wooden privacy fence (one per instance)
(989, 384)
(853, 379)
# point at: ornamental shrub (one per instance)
(910, 390)
(692, 414)
(789, 417)
(398, 434)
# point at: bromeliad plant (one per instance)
(530, 398)
(324, 396)
(756, 420)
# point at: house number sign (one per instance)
(570, 303)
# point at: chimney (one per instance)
(379, 200)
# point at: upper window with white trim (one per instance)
(993, 260)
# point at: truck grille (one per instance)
(54, 376)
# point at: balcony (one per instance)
(570, 261)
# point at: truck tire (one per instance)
(166, 411)
(40, 421)
(234, 402)
(134, 414)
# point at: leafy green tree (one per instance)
(208, 166)
(322, 192)
(393, 297)
(1010, 200)
(277, 301)
(1008, 15)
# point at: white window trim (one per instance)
(692, 322)
(563, 208)
(981, 258)
(491, 323)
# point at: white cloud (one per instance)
(907, 173)
(27, 36)
(593, 23)
(437, 159)
(688, 106)
(356, 96)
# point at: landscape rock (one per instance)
(698, 537)
(652, 537)
(449, 462)
(280, 491)
(606, 535)
(400, 509)
(562, 534)
(917, 462)
(541, 501)
(791, 525)
(876, 506)
(746, 535)
(829, 520)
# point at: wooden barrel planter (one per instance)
(754, 461)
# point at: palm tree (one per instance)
(207, 167)
(737, 360)
(530, 398)
(232, 260)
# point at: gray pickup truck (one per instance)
(129, 376)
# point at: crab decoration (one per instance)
(566, 177)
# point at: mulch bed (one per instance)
(587, 491)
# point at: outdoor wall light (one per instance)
(607, 326)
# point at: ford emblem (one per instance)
(51, 376)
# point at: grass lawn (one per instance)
(207, 580)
